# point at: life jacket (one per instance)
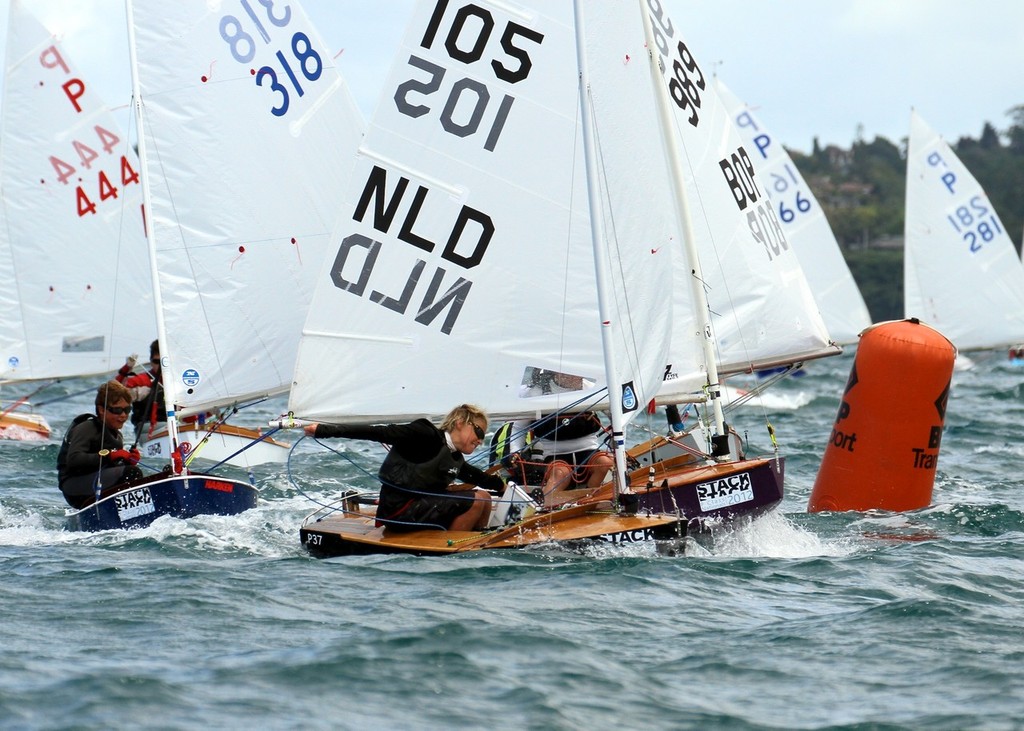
(62, 454)
(403, 480)
(511, 438)
(152, 409)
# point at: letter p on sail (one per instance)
(51, 59)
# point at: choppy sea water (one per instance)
(798, 621)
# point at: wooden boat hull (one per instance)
(347, 529)
(180, 496)
(222, 446)
(24, 427)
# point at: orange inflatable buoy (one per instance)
(884, 445)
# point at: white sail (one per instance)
(761, 306)
(76, 297)
(465, 265)
(961, 274)
(803, 221)
(249, 131)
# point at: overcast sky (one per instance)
(825, 68)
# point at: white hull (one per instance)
(222, 445)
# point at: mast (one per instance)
(673, 158)
(161, 332)
(601, 263)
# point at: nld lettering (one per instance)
(459, 249)
(358, 255)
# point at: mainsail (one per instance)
(248, 132)
(760, 305)
(464, 269)
(76, 297)
(961, 274)
(803, 221)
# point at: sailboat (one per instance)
(749, 307)
(250, 129)
(803, 220)
(239, 178)
(494, 285)
(961, 274)
(72, 245)
(474, 255)
(752, 307)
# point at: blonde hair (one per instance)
(462, 414)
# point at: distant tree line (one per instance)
(863, 192)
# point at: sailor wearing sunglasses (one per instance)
(92, 453)
(424, 459)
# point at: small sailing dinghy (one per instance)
(214, 255)
(250, 130)
(218, 443)
(741, 299)
(348, 528)
(243, 203)
(76, 293)
(468, 257)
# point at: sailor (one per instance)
(146, 393)
(416, 476)
(92, 454)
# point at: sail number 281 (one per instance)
(469, 39)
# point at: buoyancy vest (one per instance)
(142, 410)
(403, 480)
(62, 454)
(511, 438)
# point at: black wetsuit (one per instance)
(416, 473)
(79, 462)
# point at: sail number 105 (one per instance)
(464, 103)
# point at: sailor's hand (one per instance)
(129, 363)
(124, 455)
(139, 393)
(310, 429)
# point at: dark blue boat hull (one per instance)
(180, 496)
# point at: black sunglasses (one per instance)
(119, 410)
(478, 431)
